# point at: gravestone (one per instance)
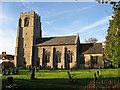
(95, 76)
(9, 72)
(13, 71)
(16, 71)
(98, 73)
(74, 81)
(33, 74)
(10, 80)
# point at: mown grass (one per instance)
(59, 78)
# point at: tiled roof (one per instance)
(90, 48)
(6, 56)
(64, 40)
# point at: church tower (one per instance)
(28, 30)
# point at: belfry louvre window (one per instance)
(58, 57)
(69, 56)
(47, 56)
(26, 22)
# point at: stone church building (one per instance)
(33, 49)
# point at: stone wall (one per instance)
(100, 62)
(62, 49)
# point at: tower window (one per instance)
(26, 22)
(26, 33)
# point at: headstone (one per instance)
(8, 72)
(98, 73)
(95, 76)
(33, 74)
(69, 75)
(10, 80)
(13, 71)
(73, 80)
(16, 71)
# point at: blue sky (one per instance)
(88, 19)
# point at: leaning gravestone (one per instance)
(33, 74)
(95, 76)
(98, 73)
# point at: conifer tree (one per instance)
(112, 43)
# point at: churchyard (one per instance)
(60, 79)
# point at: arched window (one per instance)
(58, 57)
(69, 56)
(26, 22)
(47, 56)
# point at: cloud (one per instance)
(95, 24)
(52, 12)
(95, 31)
(56, 13)
(72, 10)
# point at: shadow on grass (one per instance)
(57, 83)
(52, 83)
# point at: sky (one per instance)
(86, 19)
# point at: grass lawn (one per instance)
(59, 78)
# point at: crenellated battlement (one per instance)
(29, 13)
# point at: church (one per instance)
(33, 49)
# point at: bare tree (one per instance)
(91, 40)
